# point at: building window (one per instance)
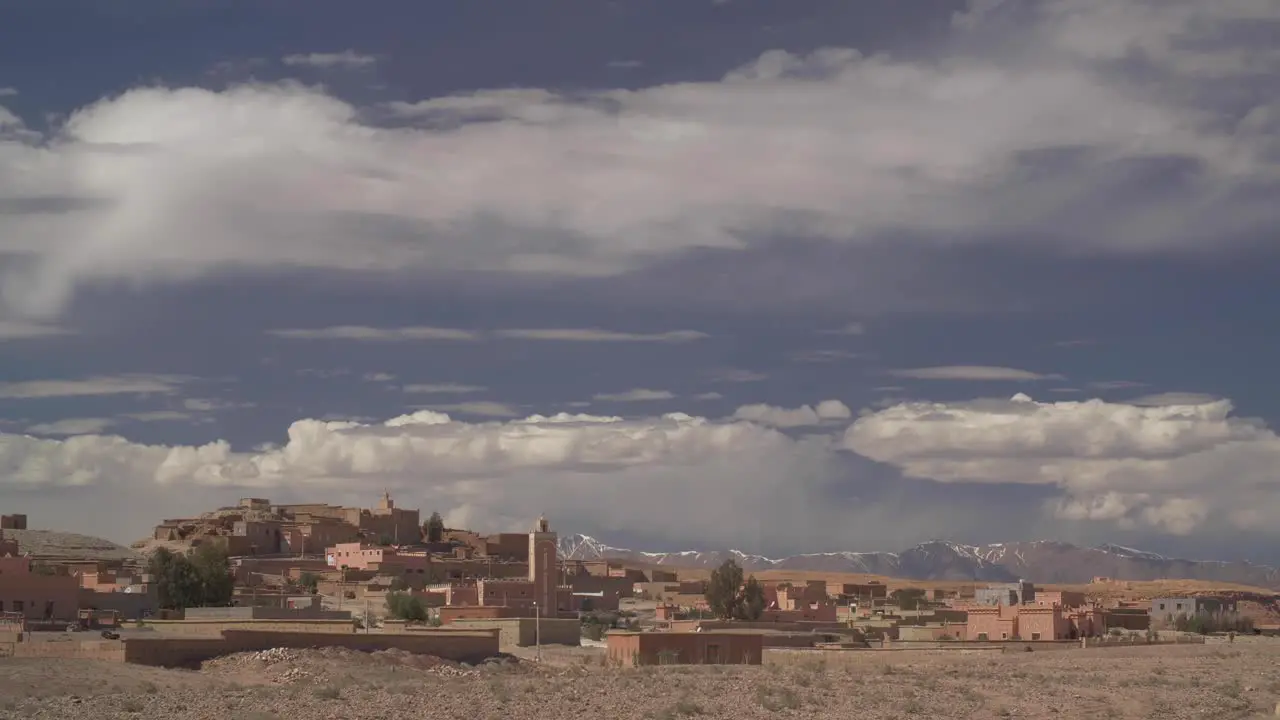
(1004, 636)
(1035, 636)
(983, 636)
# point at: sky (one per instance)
(781, 277)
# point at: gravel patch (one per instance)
(1170, 682)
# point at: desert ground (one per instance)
(1221, 681)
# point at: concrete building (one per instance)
(363, 556)
(1016, 593)
(1168, 609)
(1061, 598)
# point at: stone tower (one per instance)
(542, 566)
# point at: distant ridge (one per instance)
(1044, 561)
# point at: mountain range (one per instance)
(1043, 561)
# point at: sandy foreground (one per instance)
(1240, 680)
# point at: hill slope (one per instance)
(57, 545)
(1042, 561)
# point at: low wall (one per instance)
(255, 612)
(821, 626)
(109, 650)
(461, 646)
(214, 628)
(771, 639)
(523, 632)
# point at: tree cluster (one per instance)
(1206, 623)
(732, 599)
(200, 578)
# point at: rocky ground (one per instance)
(1169, 682)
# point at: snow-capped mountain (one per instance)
(1043, 561)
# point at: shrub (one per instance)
(404, 606)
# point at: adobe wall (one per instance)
(523, 632)
(632, 648)
(212, 628)
(450, 613)
(461, 646)
(472, 646)
(797, 626)
(929, 632)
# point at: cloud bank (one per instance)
(1161, 471)
(1171, 467)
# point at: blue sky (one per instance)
(247, 248)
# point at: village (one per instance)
(315, 575)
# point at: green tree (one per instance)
(213, 571)
(200, 578)
(908, 598)
(309, 582)
(722, 590)
(177, 586)
(406, 607)
(751, 601)
(732, 599)
(433, 528)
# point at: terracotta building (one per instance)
(16, 521)
(35, 595)
(1032, 622)
(363, 556)
(684, 648)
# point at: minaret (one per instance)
(542, 566)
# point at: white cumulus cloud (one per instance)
(1169, 469)
(805, 415)
(1026, 133)
(1166, 465)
